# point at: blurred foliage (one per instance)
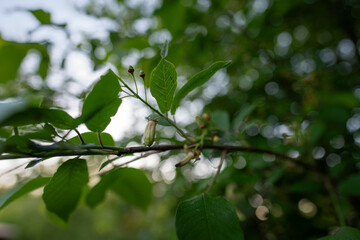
(293, 87)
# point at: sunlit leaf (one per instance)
(56, 117)
(196, 81)
(102, 103)
(63, 192)
(22, 189)
(163, 84)
(207, 217)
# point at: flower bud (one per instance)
(206, 116)
(190, 155)
(131, 69)
(149, 134)
(200, 123)
(142, 75)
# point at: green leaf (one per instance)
(207, 217)
(33, 115)
(305, 186)
(242, 115)
(351, 185)
(22, 189)
(11, 56)
(221, 120)
(129, 183)
(347, 233)
(63, 192)
(42, 16)
(163, 84)
(33, 163)
(8, 108)
(196, 81)
(90, 137)
(97, 194)
(102, 103)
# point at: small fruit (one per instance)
(149, 134)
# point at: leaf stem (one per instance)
(137, 92)
(181, 132)
(80, 137)
(100, 141)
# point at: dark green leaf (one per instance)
(22, 190)
(33, 163)
(207, 217)
(196, 81)
(42, 16)
(97, 194)
(351, 185)
(129, 183)
(56, 117)
(11, 56)
(134, 187)
(102, 103)
(345, 233)
(163, 84)
(90, 137)
(63, 192)
(305, 186)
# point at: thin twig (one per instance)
(137, 158)
(155, 110)
(13, 169)
(222, 158)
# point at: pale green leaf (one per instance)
(163, 84)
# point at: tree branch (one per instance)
(64, 149)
